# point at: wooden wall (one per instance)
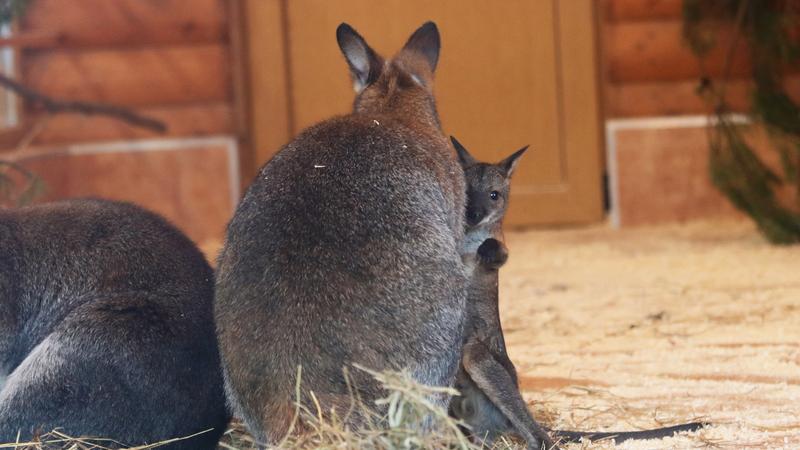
(647, 68)
(172, 60)
(528, 77)
(658, 166)
(169, 59)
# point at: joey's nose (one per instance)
(474, 216)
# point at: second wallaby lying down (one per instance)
(490, 402)
(106, 328)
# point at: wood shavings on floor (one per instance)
(631, 329)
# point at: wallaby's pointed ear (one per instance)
(365, 64)
(464, 157)
(426, 42)
(510, 163)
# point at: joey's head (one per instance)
(488, 186)
(402, 85)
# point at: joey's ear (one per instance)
(464, 157)
(426, 42)
(510, 163)
(365, 64)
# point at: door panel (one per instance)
(510, 74)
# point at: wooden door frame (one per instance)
(267, 103)
(264, 79)
(576, 107)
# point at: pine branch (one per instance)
(55, 106)
(735, 168)
(737, 31)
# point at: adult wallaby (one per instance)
(346, 249)
(106, 327)
(490, 401)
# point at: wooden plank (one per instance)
(671, 165)
(676, 98)
(191, 120)
(663, 177)
(580, 106)
(11, 137)
(267, 79)
(549, 102)
(92, 23)
(633, 10)
(239, 89)
(665, 98)
(30, 40)
(188, 186)
(132, 77)
(655, 51)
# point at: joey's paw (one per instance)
(492, 254)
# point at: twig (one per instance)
(34, 131)
(737, 31)
(54, 106)
(717, 95)
(19, 168)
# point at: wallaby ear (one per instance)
(510, 163)
(464, 157)
(426, 42)
(365, 64)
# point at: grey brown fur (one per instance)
(490, 402)
(106, 327)
(346, 249)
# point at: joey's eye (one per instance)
(494, 195)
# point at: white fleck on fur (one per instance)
(416, 80)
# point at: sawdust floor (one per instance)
(625, 330)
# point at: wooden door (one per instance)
(510, 73)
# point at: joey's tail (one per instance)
(657, 433)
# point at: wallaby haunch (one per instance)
(346, 249)
(106, 327)
(490, 402)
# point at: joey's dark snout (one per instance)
(474, 216)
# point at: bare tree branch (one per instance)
(54, 106)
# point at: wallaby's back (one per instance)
(111, 327)
(345, 250)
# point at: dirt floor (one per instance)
(625, 330)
